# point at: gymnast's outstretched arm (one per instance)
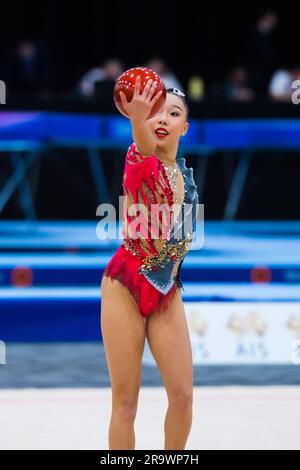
(138, 110)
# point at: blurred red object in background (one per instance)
(22, 276)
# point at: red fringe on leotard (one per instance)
(124, 267)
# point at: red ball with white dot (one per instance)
(126, 83)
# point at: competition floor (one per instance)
(263, 418)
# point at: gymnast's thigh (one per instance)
(170, 344)
(123, 331)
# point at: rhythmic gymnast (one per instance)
(141, 285)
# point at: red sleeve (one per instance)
(144, 184)
(140, 173)
(134, 156)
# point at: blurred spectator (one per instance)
(29, 67)
(196, 88)
(262, 49)
(158, 65)
(280, 88)
(236, 87)
(109, 71)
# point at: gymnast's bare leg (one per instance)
(124, 331)
(169, 341)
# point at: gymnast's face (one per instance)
(173, 118)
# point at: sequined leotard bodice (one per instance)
(158, 226)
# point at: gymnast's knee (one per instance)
(125, 409)
(182, 399)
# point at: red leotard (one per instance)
(145, 182)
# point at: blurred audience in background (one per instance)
(28, 67)
(158, 65)
(236, 87)
(107, 72)
(262, 49)
(280, 88)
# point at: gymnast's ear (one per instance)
(185, 128)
